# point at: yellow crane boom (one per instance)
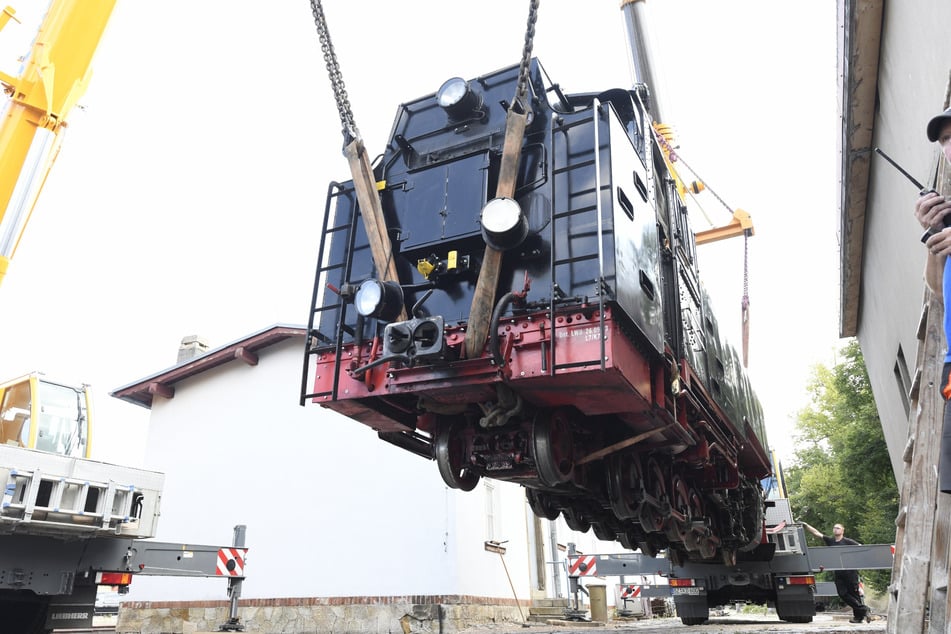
(53, 77)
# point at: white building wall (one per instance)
(331, 510)
(915, 61)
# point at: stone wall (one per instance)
(444, 614)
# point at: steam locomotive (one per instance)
(603, 386)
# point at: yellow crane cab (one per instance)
(41, 414)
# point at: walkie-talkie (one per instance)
(922, 190)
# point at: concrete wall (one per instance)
(913, 77)
(331, 510)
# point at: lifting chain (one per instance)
(522, 87)
(333, 70)
(340, 91)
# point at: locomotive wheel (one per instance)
(696, 514)
(541, 504)
(677, 530)
(652, 518)
(624, 481)
(631, 539)
(576, 520)
(554, 448)
(604, 531)
(651, 545)
(711, 541)
(752, 517)
(450, 446)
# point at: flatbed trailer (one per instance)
(780, 573)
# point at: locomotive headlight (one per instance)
(383, 300)
(458, 99)
(504, 226)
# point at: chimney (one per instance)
(191, 347)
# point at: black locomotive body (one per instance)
(603, 387)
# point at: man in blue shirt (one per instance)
(930, 211)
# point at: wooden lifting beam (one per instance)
(741, 224)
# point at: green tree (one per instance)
(842, 471)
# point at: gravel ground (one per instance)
(823, 623)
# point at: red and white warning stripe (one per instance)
(231, 562)
(583, 566)
(630, 592)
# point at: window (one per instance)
(15, 415)
(61, 428)
(491, 504)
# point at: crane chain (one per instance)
(522, 87)
(333, 70)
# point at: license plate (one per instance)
(694, 591)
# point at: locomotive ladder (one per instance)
(595, 164)
(314, 337)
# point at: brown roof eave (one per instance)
(861, 29)
(162, 383)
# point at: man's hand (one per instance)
(939, 243)
(930, 210)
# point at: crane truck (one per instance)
(69, 524)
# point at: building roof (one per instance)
(162, 383)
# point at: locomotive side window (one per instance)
(625, 203)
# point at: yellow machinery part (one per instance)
(54, 77)
(741, 224)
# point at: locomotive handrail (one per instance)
(596, 106)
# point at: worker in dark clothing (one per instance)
(846, 581)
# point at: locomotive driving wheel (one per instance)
(696, 513)
(554, 448)
(653, 513)
(680, 500)
(625, 479)
(450, 450)
(541, 504)
(752, 516)
(575, 519)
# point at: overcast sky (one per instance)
(190, 187)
